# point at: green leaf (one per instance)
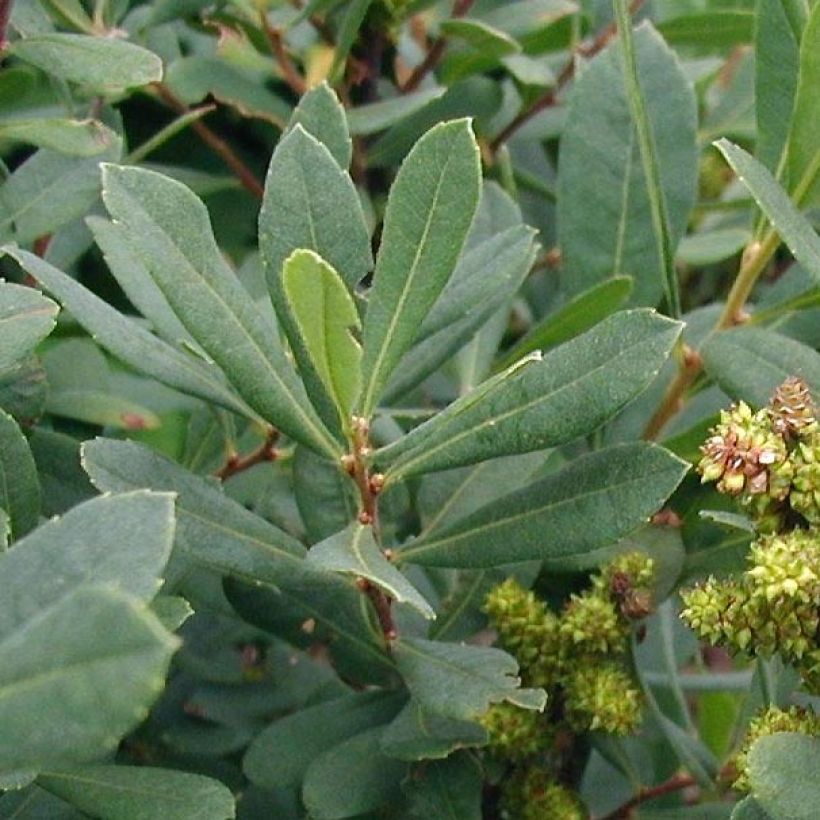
(429, 211)
(121, 541)
(171, 230)
(321, 114)
(581, 313)
(749, 809)
(777, 60)
(594, 501)
(783, 775)
(26, 317)
(171, 610)
(352, 778)
(541, 402)
(372, 117)
(326, 318)
(599, 142)
(448, 789)
(19, 486)
(355, 551)
(749, 363)
(77, 138)
(803, 150)
(281, 754)
(417, 735)
(715, 28)
(128, 341)
(710, 247)
(5, 529)
(141, 793)
(793, 228)
(102, 63)
(349, 30)
(310, 202)
(77, 677)
(460, 681)
(23, 389)
(485, 47)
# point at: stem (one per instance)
(164, 134)
(5, 14)
(436, 52)
(674, 784)
(767, 683)
(214, 142)
(237, 464)
(277, 44)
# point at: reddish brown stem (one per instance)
(237, 464)
(215, 143)
(674, 784)
(5, 15)
(436, 51)
(277, 46)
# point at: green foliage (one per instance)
(354, 359)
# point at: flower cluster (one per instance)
(770, 722)
(532, 793)
(771, 460)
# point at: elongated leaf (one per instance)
(349, 29)
(600, 143)
(123, 541)
(78, 676)
(310, 202)
(793, 228)
(429, 211)
(104, 63)
(326, 317)
(448, 789)
(128, 341)
(172, 232)
(749, 363)
(581, 313)
(19, 486)
(418, 735)
(141, 793)
(321, 114)
(373, 117)
(480, 676)
(281, 754)
(77, 138)
(355, 551)
(352, 778)
(593, 502)
(544, 402)
(804, 152)
(26, 317)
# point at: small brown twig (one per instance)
(5, 15)
(550, 98)
(237, 464)
(214, 142)
(436, 51)
(674, 784)
(277, 45)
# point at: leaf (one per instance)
(19, 485)
(483, 283)
(581, 313)
(749, 363)
(710, 247)
(460, 681)
(281, 754)
(373, 117)
(416, 735)
(26, 318)
(354, 550)
(782, 771)
(599, 143)
(349, 30)
(77, 138)
(803, 150)
(717, 28)
(542, 402)
(592, 502)
(171, 230)
(352, 778)
(5, 529)
(321, 114)
(77, 677)
(429, 211)
(171, 610)
(448, 789)
(23, 389)
(486, 46)
(128, 341)
(310, 203)
(793, 228)
(121, 541)
(141, 793)
(326, 318)
(103, 63)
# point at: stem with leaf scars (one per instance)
(237, 464)
(674, 784)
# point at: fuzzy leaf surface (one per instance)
(19, 485)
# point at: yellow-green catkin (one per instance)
(515, 733)
(532, 793)
(601, 697)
